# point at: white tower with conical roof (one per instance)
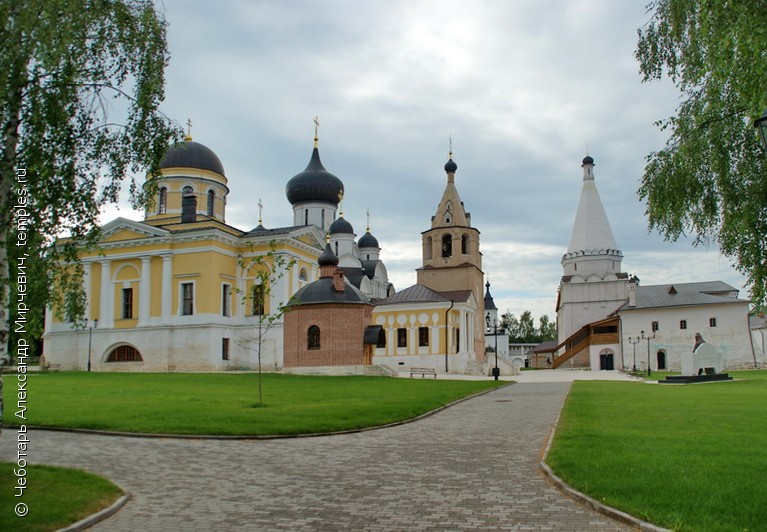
(592, 286)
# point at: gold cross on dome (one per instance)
(260, 208)
(188, 129)
(316, 130)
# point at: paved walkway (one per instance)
(473, 466)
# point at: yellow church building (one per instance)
(175, 292)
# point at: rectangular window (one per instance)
(258, 300)
(401, 337)
(683, 324)
(712, 322)
(127, 303)
(226, 299)
(187, 299)
(224, 348)
(654, 326)
(423, 336)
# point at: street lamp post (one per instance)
(761, 125)
(648, 338)
(91, 325)
(496, 372)
(634, 343)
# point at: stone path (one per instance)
(473, 466)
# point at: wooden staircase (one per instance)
(597, 333)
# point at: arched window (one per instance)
(313, 337)
(187, 191)
(464, 244)
(447, 246)
(162, 208)
(427, 251)
(124, 353)
(211, 202)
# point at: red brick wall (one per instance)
(342, 329)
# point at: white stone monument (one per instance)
(704, 359)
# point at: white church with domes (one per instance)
(176, 291)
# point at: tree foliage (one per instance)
(709, 180)
(523, 329)
(82, 81)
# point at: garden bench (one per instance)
(423, 372)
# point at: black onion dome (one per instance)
(341, 226)
(327, 258)
(450, 166)
(368, 241)
(314, 184)
(588, 160)
(189, 154)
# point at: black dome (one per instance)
(323, 291)
(327, 258)
(190, 154)
(314, 184)
(450, 166)
(588, 160)
(368, 241)
(341, 226)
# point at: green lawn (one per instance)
(226, 403)
(690, 457)
(56, 497)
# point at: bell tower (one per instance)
(452, 261)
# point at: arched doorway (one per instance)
(661, 356)
(606, 360)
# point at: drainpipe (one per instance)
(447, 332)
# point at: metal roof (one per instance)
(684, 295)
(419, 293)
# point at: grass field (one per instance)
(56, 497)
(688, 457)
(227, 404)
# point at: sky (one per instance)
(523, 88)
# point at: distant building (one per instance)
(497, 336)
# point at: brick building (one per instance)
(326, 321)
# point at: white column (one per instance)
(106, 297)
(167, 287)
(144, 292)
(464, 336)
(239, 307)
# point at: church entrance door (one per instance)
(606, 362)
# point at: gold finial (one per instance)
(367, 213)
(327, 238)
(188, 137)
(316, 131)
(450, 153)
(260, 209)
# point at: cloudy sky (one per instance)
(524, 88)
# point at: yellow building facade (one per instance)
(178, 290)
